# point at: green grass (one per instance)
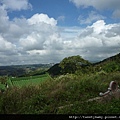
(26, 81)
(48, 97)
(2, 87)
(9, 82)
(29, 78)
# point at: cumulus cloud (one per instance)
(38, 39)
(41, 18)
(43, 42)
(16, 4)
(42, 33)
(95, 40)
(23, 39)
(5, 46)
(100, 5)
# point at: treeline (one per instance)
(11, 71)
(24, 70)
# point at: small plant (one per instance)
(3, 80)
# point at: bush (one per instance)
(14, 98)
(61, 91)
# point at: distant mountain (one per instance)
(22, 70)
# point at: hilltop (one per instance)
(109, 64)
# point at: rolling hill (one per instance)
(109, 64)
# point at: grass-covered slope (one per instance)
(109, 64)
(57, 95)
(31, 80)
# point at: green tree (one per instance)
(72, 64)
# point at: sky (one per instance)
(46, 31)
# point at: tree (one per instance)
(72, 64)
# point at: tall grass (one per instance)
(65, 94)
(9, 82)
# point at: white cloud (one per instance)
(98, 4)
(6, 46)
(113, 5)
(42, 33)
(41, 18)
(98, 26)
(4, 20)
(39, 39)
(43, 43)
(16, 4)
(95, 41)
(92, 17)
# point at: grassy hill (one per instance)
(110, 64)
(23, 81)
(64, 94)
(115, 58)
(53, 94)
